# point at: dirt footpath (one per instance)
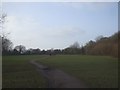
(57, 78)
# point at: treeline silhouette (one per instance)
(102, 46)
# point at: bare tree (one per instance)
(0, 45)
(2, 20)
(75, 45)
(20, 48)
(98, 38)
(5, 43)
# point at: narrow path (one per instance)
(57, 78)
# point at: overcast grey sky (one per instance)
(58, 25)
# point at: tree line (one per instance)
(102, 46)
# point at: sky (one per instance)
(55, 25)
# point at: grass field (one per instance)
(95, 71)
(18, 72)
(0, 71)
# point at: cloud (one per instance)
(60, 0)
(22, 29)
(30, 32)
(66, 31)
(91, 6)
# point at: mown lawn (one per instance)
(0, 72)
(17, 72)
(94, 71)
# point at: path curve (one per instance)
(57, 78)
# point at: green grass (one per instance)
(0, 71)
(18, 72)
(95, 71)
